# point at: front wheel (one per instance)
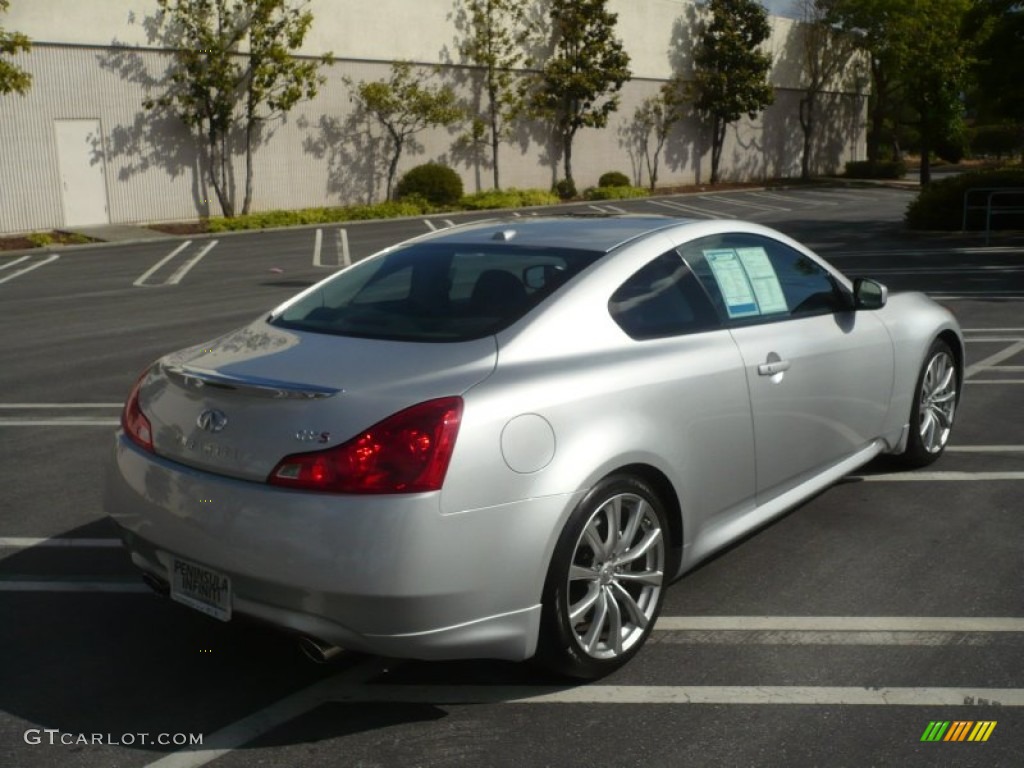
(606, 580)
(935, 401)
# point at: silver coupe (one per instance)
(505, 439)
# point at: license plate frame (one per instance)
(201, 588)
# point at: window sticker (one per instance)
(732, 280)
(763, 279)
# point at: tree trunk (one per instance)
(717, 141)
(393, 166)
(249, 128)
(807, 125)
(926, 162)
(495, 137)
(567, 156)
(216, 160)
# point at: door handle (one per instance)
(773, 367)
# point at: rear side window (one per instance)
(436, 292)
(662, 299)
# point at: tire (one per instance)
(606, 580)
(935, 401)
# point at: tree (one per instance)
(997, 27)
(232, 72)
(826, 52)
(405, 105)
(872, 26)
(933, 67)
(13, 79)
(730, 70)
(494, 44)
(578, 84)
(654, 119)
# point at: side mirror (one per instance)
(869, 294)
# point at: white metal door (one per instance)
(83, 172)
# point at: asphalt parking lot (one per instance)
(834, 636)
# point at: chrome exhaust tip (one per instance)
(157, 584)
(316, 650)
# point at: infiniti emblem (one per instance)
(212, 420)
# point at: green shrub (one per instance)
(940, 205)
(998, 140)
(565, 189)
(269, 219)
(614, 193)
(613, 179)
(865, 169)
(40, 239)
(437, 184)
(508, 198)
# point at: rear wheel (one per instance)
(606, 580)
(935, 401)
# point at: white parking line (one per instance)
(318, 241)
(184, 268)
(247, 729)
(41, 406)
(115, 587)
(10, 264)
(993, 360)
(67, 421)
(344, 256)
(37, 265)
(683, 694)
(985, 448)
(841, 623)
(794, 199)
(743, 203)
(931, 477)
(22, 542)
(145, 275)
(688, 209)
(430, 225)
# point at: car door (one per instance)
(819, 373)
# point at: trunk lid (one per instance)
(238, 405)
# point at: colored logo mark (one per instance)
(958, 730)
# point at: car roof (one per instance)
(588, 232)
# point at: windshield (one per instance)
(436, 292)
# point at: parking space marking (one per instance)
(993, 360)
(430, 225)
(682, 694)
(931, 477)
(66, 421)
(842, 623)
(257, 724)
(180, 273)
(23, 542)
(790, 199)
(692, 210)
(52, 257)
(985, 448)
(318, 241)
(742, 203)
(344, 255)
(118, 587)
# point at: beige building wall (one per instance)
(93, 59)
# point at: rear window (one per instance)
(436, 292)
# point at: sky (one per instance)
(779, 7)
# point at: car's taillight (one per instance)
(406, 453)
(134, 422)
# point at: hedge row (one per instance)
(940, 205)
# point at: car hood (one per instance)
(239, 404)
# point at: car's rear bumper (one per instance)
(383, 574)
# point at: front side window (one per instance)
(662, 299)
(751, 278)
(436, 292)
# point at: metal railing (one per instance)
(992, 206)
